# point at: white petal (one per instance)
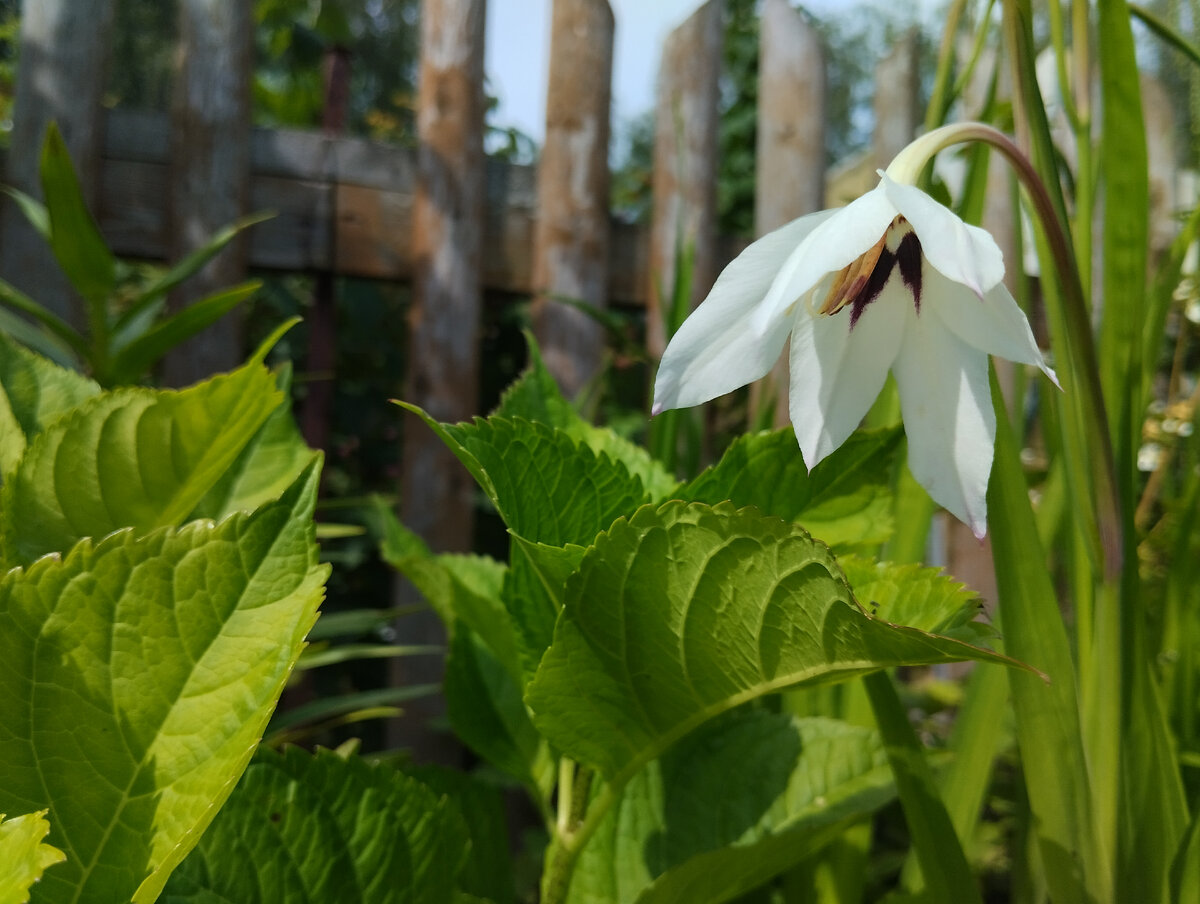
(716, 351)
(994, 324)
(837, 372)
(949, 419)
(848, 233)
(959, 251)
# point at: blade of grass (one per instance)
(947, 876)
(1049, 734)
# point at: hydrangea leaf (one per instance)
(137, 674)
(845, 500)
(488, 871)
(33, 393)
(732, 805)
(464, 588)
(685, 611)
(24, 855)
(917, 596)
(535, 396)
(267, 466)
(302, 828)
(486, 710)
(133, 457)
(546, 485)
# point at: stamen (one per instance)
(908, 256)
(851, 279)
(869, 292)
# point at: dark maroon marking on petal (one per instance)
(876, 282)
(908, 256)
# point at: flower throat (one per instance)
(860, 283)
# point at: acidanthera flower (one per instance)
(893, 281)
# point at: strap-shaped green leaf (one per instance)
(730, 807)
(137, 674)
(306, 829)
(845, 500)
(130, 458)
(685, 611)
(24, 855)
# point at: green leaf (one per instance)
(75, 238)
(138, 674)
(464, 588)
(132, 361)
(1049, 732)
(547, 487)
(683, 612)
(535, 396)
(302, 828)
(59, 334)
(917, 596)
(730, 807)
(33, 393)
(130, 458)
(485, 708)
(37, 339)
(24, 854)
(185, 269)
(845, 500)
(284, 724)
(33, 210)
(487, 873)
(1185, 868)
(267, 465)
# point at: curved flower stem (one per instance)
(1072, 326)
(583, 820)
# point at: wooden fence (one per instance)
(441, 217)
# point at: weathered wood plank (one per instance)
(685, 164)
(790, 154)
(209, 167)
(60, 77)
(572, 235)
(447, 237)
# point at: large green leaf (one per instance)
(462, 588)
(33, 393)
(547, 486)
(535, 396)
(130, 458)
(24, 855)
(731, 806)
(488, 872)
(321, 828)
(137, 674)
(917, 596)
(266, 467)
(845, 500)
(485, 708)
(685, 611)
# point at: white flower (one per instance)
(893, 281)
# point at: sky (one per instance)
(518, 46)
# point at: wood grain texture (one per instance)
(209, 170)
(571, 239)
(60, 78)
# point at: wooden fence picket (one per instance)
(570, 252)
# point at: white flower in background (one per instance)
(893, 281)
